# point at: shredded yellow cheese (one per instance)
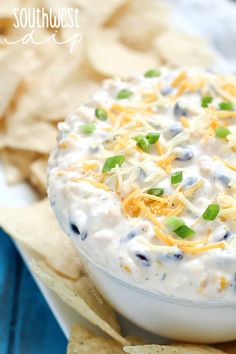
(225, 114)
(90, 166)
(93, 183)
(185, 122)
(123, 109)
(203, 248)
(180, 77)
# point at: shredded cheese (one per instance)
(180, 77)
(203, 248)
(93, 183)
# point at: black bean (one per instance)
(94, 149)
(179, 111)
(222, 177)
(84, 236)
(129, 236)
(163, 277)
(183, 154)
(226, 235)
(53, 203)
(76, 231)
(175, 129)
(143, 259)
(166, 90)
(142, 173)
(223, 235)
(190, 181)
(178, 255)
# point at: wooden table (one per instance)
(27, 325)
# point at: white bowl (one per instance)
(204, 322)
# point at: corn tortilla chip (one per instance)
(178, 49)
(103, 317)
(83, 341)
(7, 6)
(109, 57)
(32, 57)
(38, 176)
(7, 15)
(26, 133)
(148, 18)
(8, 86)
(99, 11)
(171, 349)
(37, 229)
(60, 88)
(16, 164)
(13, 173)
(96, 12)
(58, 102)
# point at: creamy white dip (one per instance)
(113, 216)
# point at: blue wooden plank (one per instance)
(37, 330)
(26, 323)
(10, 264)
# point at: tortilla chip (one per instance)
(13, 173)
(24, 132)
(179, 49)
(109, 57)
(140, 22)
(7, 6)
(83, 341)
(8, 86)
(32, 57)
(60, 89)
(98, 12)
(55, 105)
(7, 15)
(16, 164)
(170, 349)
(37, 229)
(82, 300)
(38, 176)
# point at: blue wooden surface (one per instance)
(27, 325)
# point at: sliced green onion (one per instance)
(142, 142)
(124, 94)
(101, 114)
(156, 191)
(226, 106)
(153, 137)
(88, 128)
(206, 101)
(174, 223)
(222, 132)
(177, 177)
(111, 162)
(211, 212)
(184, 231)
(152, 73)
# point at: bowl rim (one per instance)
(158, 296)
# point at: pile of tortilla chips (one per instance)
(83, 341)
(39, 85)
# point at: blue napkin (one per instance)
(27, 325)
